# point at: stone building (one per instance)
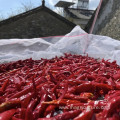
(38, 22)
(78, 13)
(108, 21)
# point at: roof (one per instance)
(79, 13)
(64, 4)
(84, 0)
(35, 10)
(38, 22)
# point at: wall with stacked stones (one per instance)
(108, 21)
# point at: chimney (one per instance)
(43, 3)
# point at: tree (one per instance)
(1, 17)
(27, 6)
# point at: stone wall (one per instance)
(112, 28)
(108, 21)
(39, 24)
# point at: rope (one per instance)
(96, 15)
(65, 36)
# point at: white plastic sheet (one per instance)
(75, 42)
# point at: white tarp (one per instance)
(75, 42)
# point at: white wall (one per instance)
(83, 4)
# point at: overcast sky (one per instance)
(8, 7)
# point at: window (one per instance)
(83, 4)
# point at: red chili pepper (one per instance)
(4, 85)
(14, 118)
(21, 112)
(4, 78)
(17, 82)
(64, 116)
(61, 102)
(76, 97)
(115, 117)
(91, 87)
(9, 104)
(117, 75)
(117, 85)
(64, 91)
(74, 82)
(34, 86)
(23, 92)
(46, 118)
(49, 110)
(39, 109)
(7, 115)
(112, 94)
(68, 115)
(25, 99)
(29, 111)
(70, 81)
(111, 106)
(85, 115)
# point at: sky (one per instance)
(9, 7)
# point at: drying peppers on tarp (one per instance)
(71, 87)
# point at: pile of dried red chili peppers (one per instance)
(72, 87)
